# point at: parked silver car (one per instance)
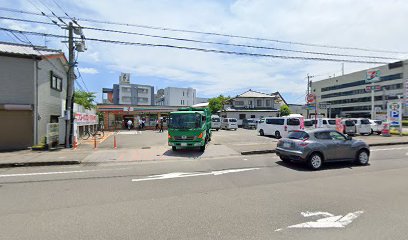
(318, 146)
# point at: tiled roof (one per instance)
(254, 94)
(27, 50)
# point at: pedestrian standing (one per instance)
(157, 124)
(143, 123)
(161, 125)
(129, 124)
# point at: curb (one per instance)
(387, 144)
(273, 150)
(38, 164)
(258, 152)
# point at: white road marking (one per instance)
(245, 159)
(54, 173)
(193, 174)
(130, 132)
(387, 149)
(329, 221)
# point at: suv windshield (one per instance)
(185, 121)
(298, 135)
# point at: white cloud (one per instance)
(369, 24)
(89, 70)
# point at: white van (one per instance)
(229, 123)
(215, 122)
(363, 126)
(278, 126)
(310, 124)
(326, 123)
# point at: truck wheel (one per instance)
(202, 148)
(174, 148)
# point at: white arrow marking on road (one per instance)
(193, 174)
(329, 220)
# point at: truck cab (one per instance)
(189, 128)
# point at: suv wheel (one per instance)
(362, 157)
(315, 161)
(277, 134)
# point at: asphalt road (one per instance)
(240, 197)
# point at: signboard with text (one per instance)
(394, 112)
(373, 88)
(373, 76)
(82, 119)
(52, 133)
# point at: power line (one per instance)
(66, 14)
(214, 33)
(52, 12)
(43, 14)
(202, 49)
(211, 42)
(82, 79)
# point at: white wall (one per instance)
(179, 96)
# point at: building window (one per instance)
(56, 82)
(242, 116)
(183, 93)
(259, 103)
(142, 100)
(142, 90)
(54, 119)
(239, 103)
(268, 103)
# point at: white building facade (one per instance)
(347, 95)
(173, 96)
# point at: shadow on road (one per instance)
(187, 153)
(303, 167)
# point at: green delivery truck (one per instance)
(189, 128)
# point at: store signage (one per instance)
(85, 119)
(128, 109)
(310, 98)
(394, 112)
(373, 88)
(373, 76)
(339, 126)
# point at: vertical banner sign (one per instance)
(394, 113)
(339, 126)
(302, 123)
(406, 92)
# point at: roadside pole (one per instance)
(315, 111)
(372, 101)
(308, 91)
(70, 87)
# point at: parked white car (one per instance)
(229, 123)
(327, 123)
(376, 126)
(278, 126)
(215, 122)
(363, 126)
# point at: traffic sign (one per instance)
(310, 98)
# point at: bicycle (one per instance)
(98, 134)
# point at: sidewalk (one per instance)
(42, 158)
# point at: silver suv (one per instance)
(318, 146)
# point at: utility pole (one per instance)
(307, 94)
(70, 87)
(69, 104)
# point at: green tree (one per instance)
(284, 110)
(85, 99)
(217, 103)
